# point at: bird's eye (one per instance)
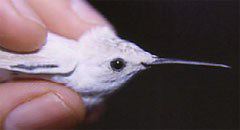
(117, 64)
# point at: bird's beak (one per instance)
(159, 61)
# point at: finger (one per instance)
(39, 105)
(21, 30)
(70, 18)
(95, 114)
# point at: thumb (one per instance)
(39, 105)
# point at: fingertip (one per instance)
(18, 31)
(43, 104)
(87, 12)
(69, 18)
(24, 37)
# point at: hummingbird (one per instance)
(95, 66)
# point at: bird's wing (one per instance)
(56, 57)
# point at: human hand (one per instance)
(34, 104)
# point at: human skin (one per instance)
(38, 104)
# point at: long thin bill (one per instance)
(180, 61)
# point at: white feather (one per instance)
(57, 51)
(83, 65)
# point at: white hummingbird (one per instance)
(95, 65)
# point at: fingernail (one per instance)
(87, 13)
(25, 10)
(47, 111)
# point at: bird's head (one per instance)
(110, 61)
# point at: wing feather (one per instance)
(57, 56)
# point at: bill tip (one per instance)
(226, 66)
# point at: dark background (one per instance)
(177, 96)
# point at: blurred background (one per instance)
(177, 96)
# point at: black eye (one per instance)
(117, 64)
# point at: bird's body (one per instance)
(73, 63)
(95, 65)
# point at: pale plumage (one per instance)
(95, 65)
